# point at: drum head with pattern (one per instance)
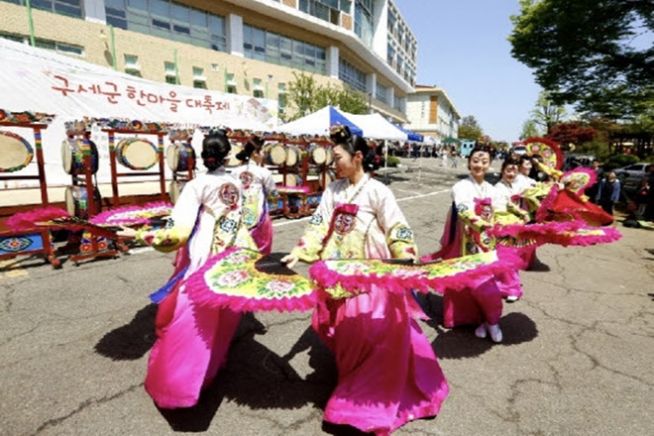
(16, 153)
(137, 153)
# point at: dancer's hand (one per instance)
(290, 260)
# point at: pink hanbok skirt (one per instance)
(191, 346)
(388, 373)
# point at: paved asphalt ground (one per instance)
(577, 356)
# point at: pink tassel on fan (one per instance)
(27, 220)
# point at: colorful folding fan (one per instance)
(231, 279)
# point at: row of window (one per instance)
(60, 47)
(275, 48)
(327, 10)
(169, 20)
(364, 11)
(71, 8)
(351, 75)
(171, 75)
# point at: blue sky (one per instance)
(463, 48)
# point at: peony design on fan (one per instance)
(231, 279)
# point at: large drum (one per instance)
(15, 152)
(77, 202)
(72, 155)
(276, 154)
(231, 159)
(291, 179)
(319, 154)
(178, 155)
(137, 153)
(175, 190)
(293, 155)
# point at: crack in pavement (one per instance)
(83, 405)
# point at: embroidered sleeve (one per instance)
(310, 245)
(534, 194)
(516, 210)
(399, 236)
(471, 219)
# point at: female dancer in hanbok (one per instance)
(192, 341)
(508, 211)
(258, 185)
(387, 370)
(465, 233)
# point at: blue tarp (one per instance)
(336, 118)
(412, 136)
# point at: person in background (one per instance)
(591, 191)
(258, 186)
(608, 192)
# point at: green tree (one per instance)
(306, 96)
(583, 52)
(546, 113)
(529, 129)
(302, 94)
(470, 129)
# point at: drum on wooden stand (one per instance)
(293, 155)
(15, 152)
(276, 154)
(319, 154)
(231, 160)
(137, 153)
(72, 155)
(175, 189)
(178, 156)
(77, 202)
(292, 179)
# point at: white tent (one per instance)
(319, 122)
(376, 126)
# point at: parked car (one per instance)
(519, 150)
(631, 175)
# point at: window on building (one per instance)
(60, 47)
(274, 48)
(199, 79)
(351, 75)
(169, 20)
(382, 93)
(257, 89)
(70, 8)
(327, 10)
(364, 12)
(230, 83)
(282, 97)
(170, 70)
(132, 65)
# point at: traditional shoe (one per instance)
(495, 332)
(512, 298)
(480, 331)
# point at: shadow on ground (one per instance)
(132, 340)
